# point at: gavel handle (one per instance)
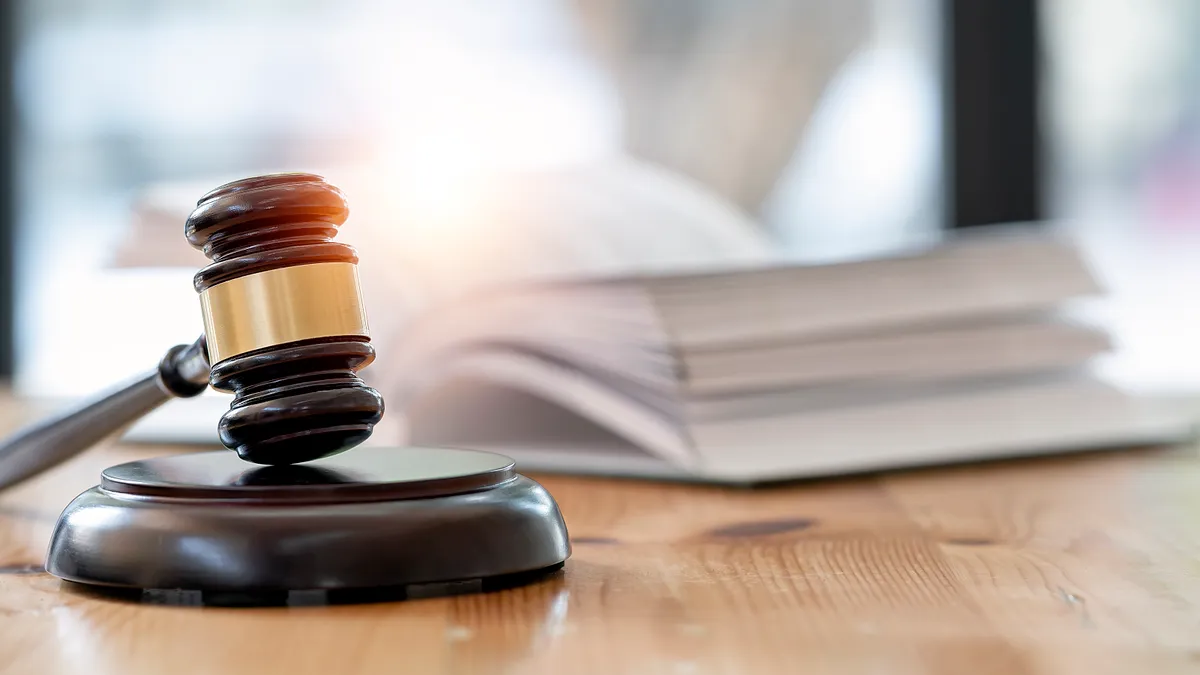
(183, 372)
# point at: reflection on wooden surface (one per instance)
(1086, 564)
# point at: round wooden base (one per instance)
(370, 518)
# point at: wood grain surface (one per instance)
(1088, 564)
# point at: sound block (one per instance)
(368, 518)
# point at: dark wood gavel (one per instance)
(285, 331)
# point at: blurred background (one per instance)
(493, 140)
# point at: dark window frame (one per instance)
(8, 188)
(991, 90)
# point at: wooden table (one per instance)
(1089, 564)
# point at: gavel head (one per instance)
(284, 321)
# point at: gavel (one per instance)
(285, 330)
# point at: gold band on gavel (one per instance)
(280, 306)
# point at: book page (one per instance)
(973, 277)
(1073, 412)
(514, 398)
(924, 352)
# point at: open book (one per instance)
(619, 319)
(958, 352)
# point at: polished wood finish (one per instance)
(267, 222)
(301, 400)
(1086, 564)
(298, 402)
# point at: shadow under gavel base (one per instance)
(374, 518)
